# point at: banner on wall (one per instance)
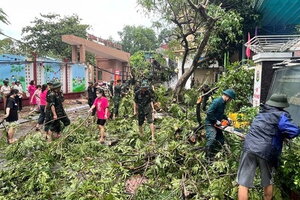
(257, 86)
(78, 78)
(13, 72)
(52, 72)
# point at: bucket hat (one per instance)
(56, 85)
(278, 100)
(144, 84)
(230, 93)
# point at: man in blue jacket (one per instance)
(215, 114)
(263, 145)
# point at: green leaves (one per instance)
(289, 173)
(79, 167)
(3, 17)
(156, 71)
(240, 78)
(44, 35)
(138, 38)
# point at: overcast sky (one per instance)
(106, 17)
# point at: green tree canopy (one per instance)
(151, 66)
(194, 25)
(7, 45)
(138, 38)
(44, 35)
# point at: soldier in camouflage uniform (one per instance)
(55, 113)
(144, 108)
(111, 87)
(117, 98)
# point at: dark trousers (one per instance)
(117, 101)
(19, 102)
(42, 115)
(214, 140)
(91, 102)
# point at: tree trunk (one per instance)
(185, 55)
(183, 79)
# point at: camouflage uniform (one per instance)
(144, 109)
(117, 98)
(55, 99)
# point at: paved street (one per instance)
(27, 123)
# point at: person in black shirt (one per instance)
(137, 86)
(111, 87)
(55, 115)
(91, 90)
(11, 115)
(144, 108)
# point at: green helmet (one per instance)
(144, 84)
(230, 93)
(56, 85)
(278, 100)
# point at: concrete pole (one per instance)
(82, 54)
(74, 54)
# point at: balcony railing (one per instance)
(272, 43)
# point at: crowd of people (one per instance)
(100, 94)
(45, 99)
(262, 145)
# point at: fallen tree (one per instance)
(77, 166)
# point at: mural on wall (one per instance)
(13, 72)
(78, 78)
(52, 72)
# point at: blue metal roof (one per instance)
(279, 12)
(11, 57)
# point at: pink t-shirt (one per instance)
(43, 96)
(31, 89)
(101, 104)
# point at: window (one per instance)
(99, 75)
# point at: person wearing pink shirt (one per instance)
(31, 89)
(101, 104)
(42, 105)
(36, 96)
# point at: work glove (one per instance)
(218, 123)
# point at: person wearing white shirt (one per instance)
(5, 90)
(19, 97)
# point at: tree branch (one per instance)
(201, 9)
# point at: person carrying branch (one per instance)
(55, 113)
(215, 114)
(263, 145)
(11, 115)
(144, 108)
(101, 105)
